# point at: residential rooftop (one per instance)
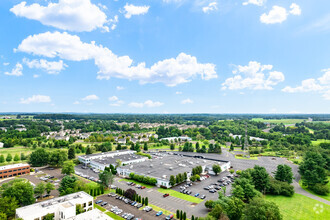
(112, 159)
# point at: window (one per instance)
(0, 172)
(9, 171)
(5, 172)
(85, 204)
(14, 170)
(19, 169)
(90, 203)
(19, 173)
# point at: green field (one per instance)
(316, 143)
(327, 197)
(279, 121)
(99, 207)
(114, 216)
(245, 158)
(180, 195)
(137, 183)
(300, 207)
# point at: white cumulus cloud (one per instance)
(71, 15)
(254, 76)
(16, 71)
(279, 14)
(320, 85)
(171, 72)
(113, 98)
(187, 101)
(255, 2)
(295, 9)
(148, 103)
(212, 6)
(36, 99)
(130, 9)
(90, 98)
(51, 67)
(120, 88)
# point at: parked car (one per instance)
(165, 195)
(143, 187)
(104, 203)
(197, 194)
(169, 217)
(159, 213)
(98, 201)
(203, 197)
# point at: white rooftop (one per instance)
(11, 166)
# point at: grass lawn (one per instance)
(245, 158)
(157, 209)
(137, 183)
(99, 207)
(114, 216)
(279, 121)
(300, 207)
(327, 197)
(316, 143)
(179, 195)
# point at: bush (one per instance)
(231, 171)
(320, 189)
(280, 188)
(238, 172)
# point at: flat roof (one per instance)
(37, 209)
(93, 214)
(112, 159)
(163, 165)
(106, 153)
(12, 166)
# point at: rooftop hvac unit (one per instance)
(131, 167)
(171, 168)
(151, 165)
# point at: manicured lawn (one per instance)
(99, 207)
(278, 121)
(157, 209)
(137, 183)
(300, 207)
(316, 143)
(114, 216)
(327, 197)
(245, 158)
(179, 195)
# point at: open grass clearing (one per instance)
(246, 158)
(300, 207)
(326, 197)
(179, 195)
(319, 141)
(137, 183)
(279, 121)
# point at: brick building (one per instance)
(14, 170)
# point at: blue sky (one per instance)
(165, 56)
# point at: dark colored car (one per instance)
(165, 195)
(98, 201)
(104, 203)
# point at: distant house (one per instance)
(121, 140)
(4, 129)
(20, 129)
(1, 145)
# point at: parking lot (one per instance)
(198, 187)
(127, 208)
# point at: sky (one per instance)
(165, 56)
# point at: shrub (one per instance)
(238, 172)
(280, 188)
(231, 171)
(320, 189)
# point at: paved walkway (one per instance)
(301, 191)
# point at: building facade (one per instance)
(14, 170)
(62, 208)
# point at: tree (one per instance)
(177, 214)
(49, 216)
(106, 178)
(39, 157)
(39, 190)
(146, 201)
(68, 167)
(130, 193)
(284, 173)
(67, 185)
(217, 212)
(209, 204)
(49, 187)
(2, 159)
(216, 169)
(260, 209)
(184, 216)
(234, 208)
(23, 157)
(8, 206)
(312, 169)
(145, 146)
(260, 178)
(172, 146)
(9, 158)
(88, 150)
(3, 216)
(71, 153)
(16, 157)
(243, 189)
(20, 189)
(172, 180)
(57, 158)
